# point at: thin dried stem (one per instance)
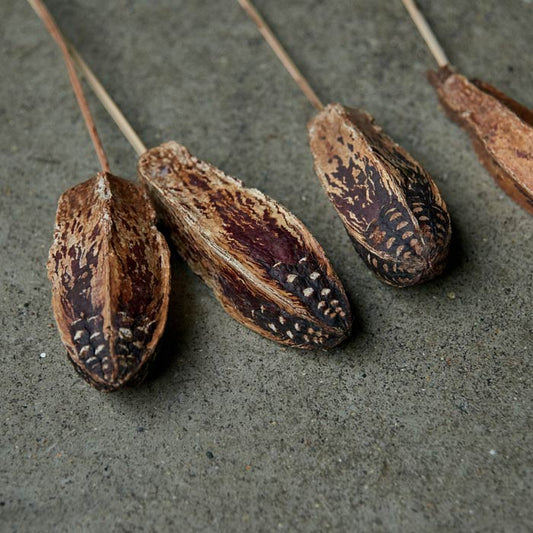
(426, 32)
(108, 103)
(281, 53)
(54, 31)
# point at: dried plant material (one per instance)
(501, 130)
(264, 266)
(390, 206)
(110, 274)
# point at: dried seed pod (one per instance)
(390, 206)
(110, 274)
(501, 130)
(263, 265)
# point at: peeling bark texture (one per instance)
(110, 274)
(390, 206)
(501, 130)
(265, 268)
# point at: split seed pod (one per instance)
(265, 268)
(390, 206)
(501, 130)
(110, 274)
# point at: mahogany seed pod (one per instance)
(500, 128)
(263, 265)
(390, 206)
(110, 274)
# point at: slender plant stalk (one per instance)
(278, 49)
(54, 31)
(108, 103)
(427, 33)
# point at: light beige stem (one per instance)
(278, 49)
(54, 31)
(426, 32)
(108, 103)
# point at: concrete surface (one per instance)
(421, 422)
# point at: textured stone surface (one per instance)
(419, 422)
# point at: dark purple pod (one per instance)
(265, 268)
(110, 274)
(390, 206)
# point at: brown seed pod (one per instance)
(390, 206)
(265, 268)
(501, 130)
(110, 274)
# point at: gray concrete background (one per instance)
(421, 422)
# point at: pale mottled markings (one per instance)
(290, 334)
(406, 235)
(308, 291)
(418, 210)
(291, 278)
(125, 333)
(394, 216)
(321, 304)
(281, 320)
(402, 225)
(314, 275)
(79, 334)
(302, 260)
(297, 326)
(85, 351)
(99, 349)
(390, 242)
(325, 292)
(273, 327)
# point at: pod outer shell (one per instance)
(110, 274)
(500, 128)
(263, 265)
(390, 206)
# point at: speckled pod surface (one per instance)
(390, 206)
(110, 274)
(265, 268)
(501, 130)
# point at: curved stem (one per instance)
(54, 31)
(278, 49)
(427, 33)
